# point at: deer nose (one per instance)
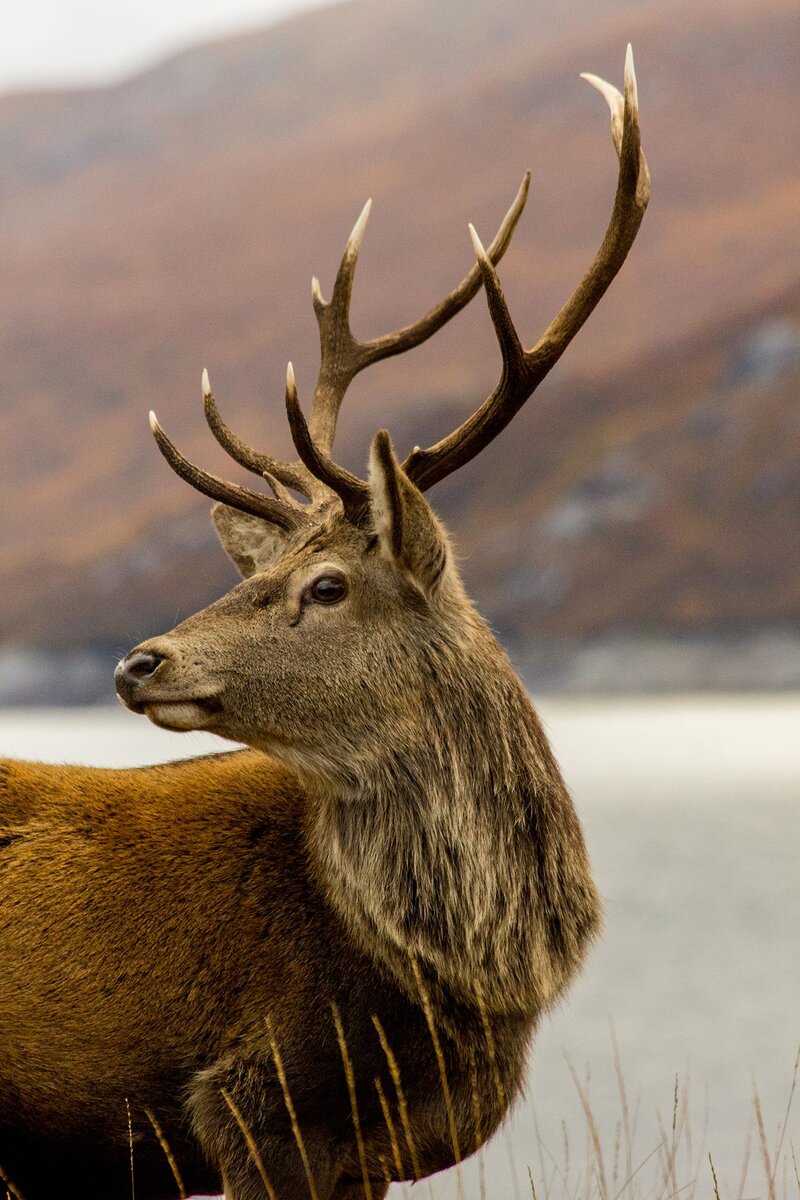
(134, 670)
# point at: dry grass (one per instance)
(677, 1163)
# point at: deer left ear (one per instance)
(252, 543)
(409, 532)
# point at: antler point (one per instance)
(357, 236)
(204, 383)
(614, 99)
(631, 90)
(153, 419)
(477, 244)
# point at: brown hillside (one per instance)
(174, 221)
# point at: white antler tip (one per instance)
(153, 419)
(204, 383)
(356, 237)
(630, 76)
(477, 244)
(290, 383)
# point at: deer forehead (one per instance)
(324, 553)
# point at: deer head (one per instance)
(351, 604)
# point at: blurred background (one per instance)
(172, 175)
(639, 527)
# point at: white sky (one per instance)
(55, 42)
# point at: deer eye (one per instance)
(328, 589)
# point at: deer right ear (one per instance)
(252, 543)
(409, 531)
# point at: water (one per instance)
(692, 815)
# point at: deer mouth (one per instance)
(180, 715)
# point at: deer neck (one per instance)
(462, 851)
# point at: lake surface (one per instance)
(692, 814)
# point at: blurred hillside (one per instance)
(637, 526)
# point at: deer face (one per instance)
(316, 658)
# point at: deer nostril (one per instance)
(134, 673)
(142, 665)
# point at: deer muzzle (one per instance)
(149, 681)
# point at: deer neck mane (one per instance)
(462, 849)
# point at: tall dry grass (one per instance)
(678, 1162)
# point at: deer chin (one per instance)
(182, 716)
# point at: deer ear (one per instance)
(252, 543)
(409, 532)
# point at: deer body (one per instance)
(163, 945)
(313, 966)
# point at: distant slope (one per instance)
(174, 221)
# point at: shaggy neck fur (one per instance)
(463, 849)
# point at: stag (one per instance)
(314, 965)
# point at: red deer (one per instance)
(314, 965)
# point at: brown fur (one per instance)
(400, 810)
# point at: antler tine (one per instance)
(343, 285)
(523, 370)
(293, 475)
(285, 516)
(282, 494)
(414, 335)
(338, 347)
(353, 492)
(342, 355)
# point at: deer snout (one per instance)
(133, 672)
(157, 679)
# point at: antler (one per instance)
(342, 356)
(523, 370)
(281, 511)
